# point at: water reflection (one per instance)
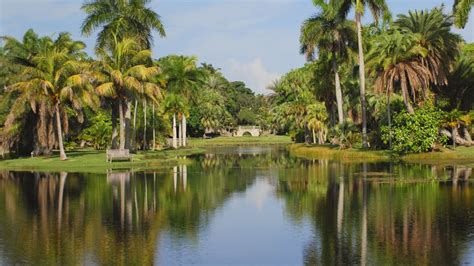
(244, 205)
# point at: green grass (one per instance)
(237, 141)
(458, 156)
(328, 152)
(92, 161)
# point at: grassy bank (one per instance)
(460, 155)
(239, 141)
(92, 161)
(327, 152)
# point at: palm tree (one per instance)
(123, 18)
(123, 76)
(461, 10)
(182, 77)
(19, 54)
(433, 29)
(174, 103)
(55, 78)
(327, 32)
(377, 8)
(316, 121)
(395, 59)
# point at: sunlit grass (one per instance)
(95, 161)
(328, 152)
(460, 155)
(246, 140)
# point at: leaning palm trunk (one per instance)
(405, 95)
(144, 125)
(362, 80)
(314, 136)
(175, 145)
(184, 130)
(121, 126)
(62, 153)
(338, 89)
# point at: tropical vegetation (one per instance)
(363, 86)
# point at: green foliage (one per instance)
(247, 117)
(99, 132)
(346, 135)
(414, 133)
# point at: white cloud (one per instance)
(253, 73)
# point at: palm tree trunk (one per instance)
(134, 132)
(389, 121)
(144, 125)
(114, 126)
(406, 97)
(340, 111)
(314, 137)
(128, 123)
(121, 126)
(175, 145)
(453, 133)
(62, 153)
(362, 80)
(180, 133)
(153, 125)
(184, 130)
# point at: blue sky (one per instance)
(251, 40)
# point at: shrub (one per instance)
(414, 133)
(98, 134)
(346, 135)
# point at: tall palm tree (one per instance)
(461, 9)
(395, 59)
(124, 76)
(378, 8)
(54, 79)
(433, 29)
(182, 77)
(124, 18)
(327, 32)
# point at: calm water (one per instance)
(241, 206)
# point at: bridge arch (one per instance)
(253, 131)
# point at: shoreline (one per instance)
(459, 156)
(92, 161)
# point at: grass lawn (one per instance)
(92, 161)
(460, 155)
(236, 141)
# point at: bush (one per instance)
(346, 135)
(99, 133)
(414, 133)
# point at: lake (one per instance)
(241, 205)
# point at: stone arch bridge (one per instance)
(254, 131)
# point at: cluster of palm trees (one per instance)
(414, 54)
(54, 79)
